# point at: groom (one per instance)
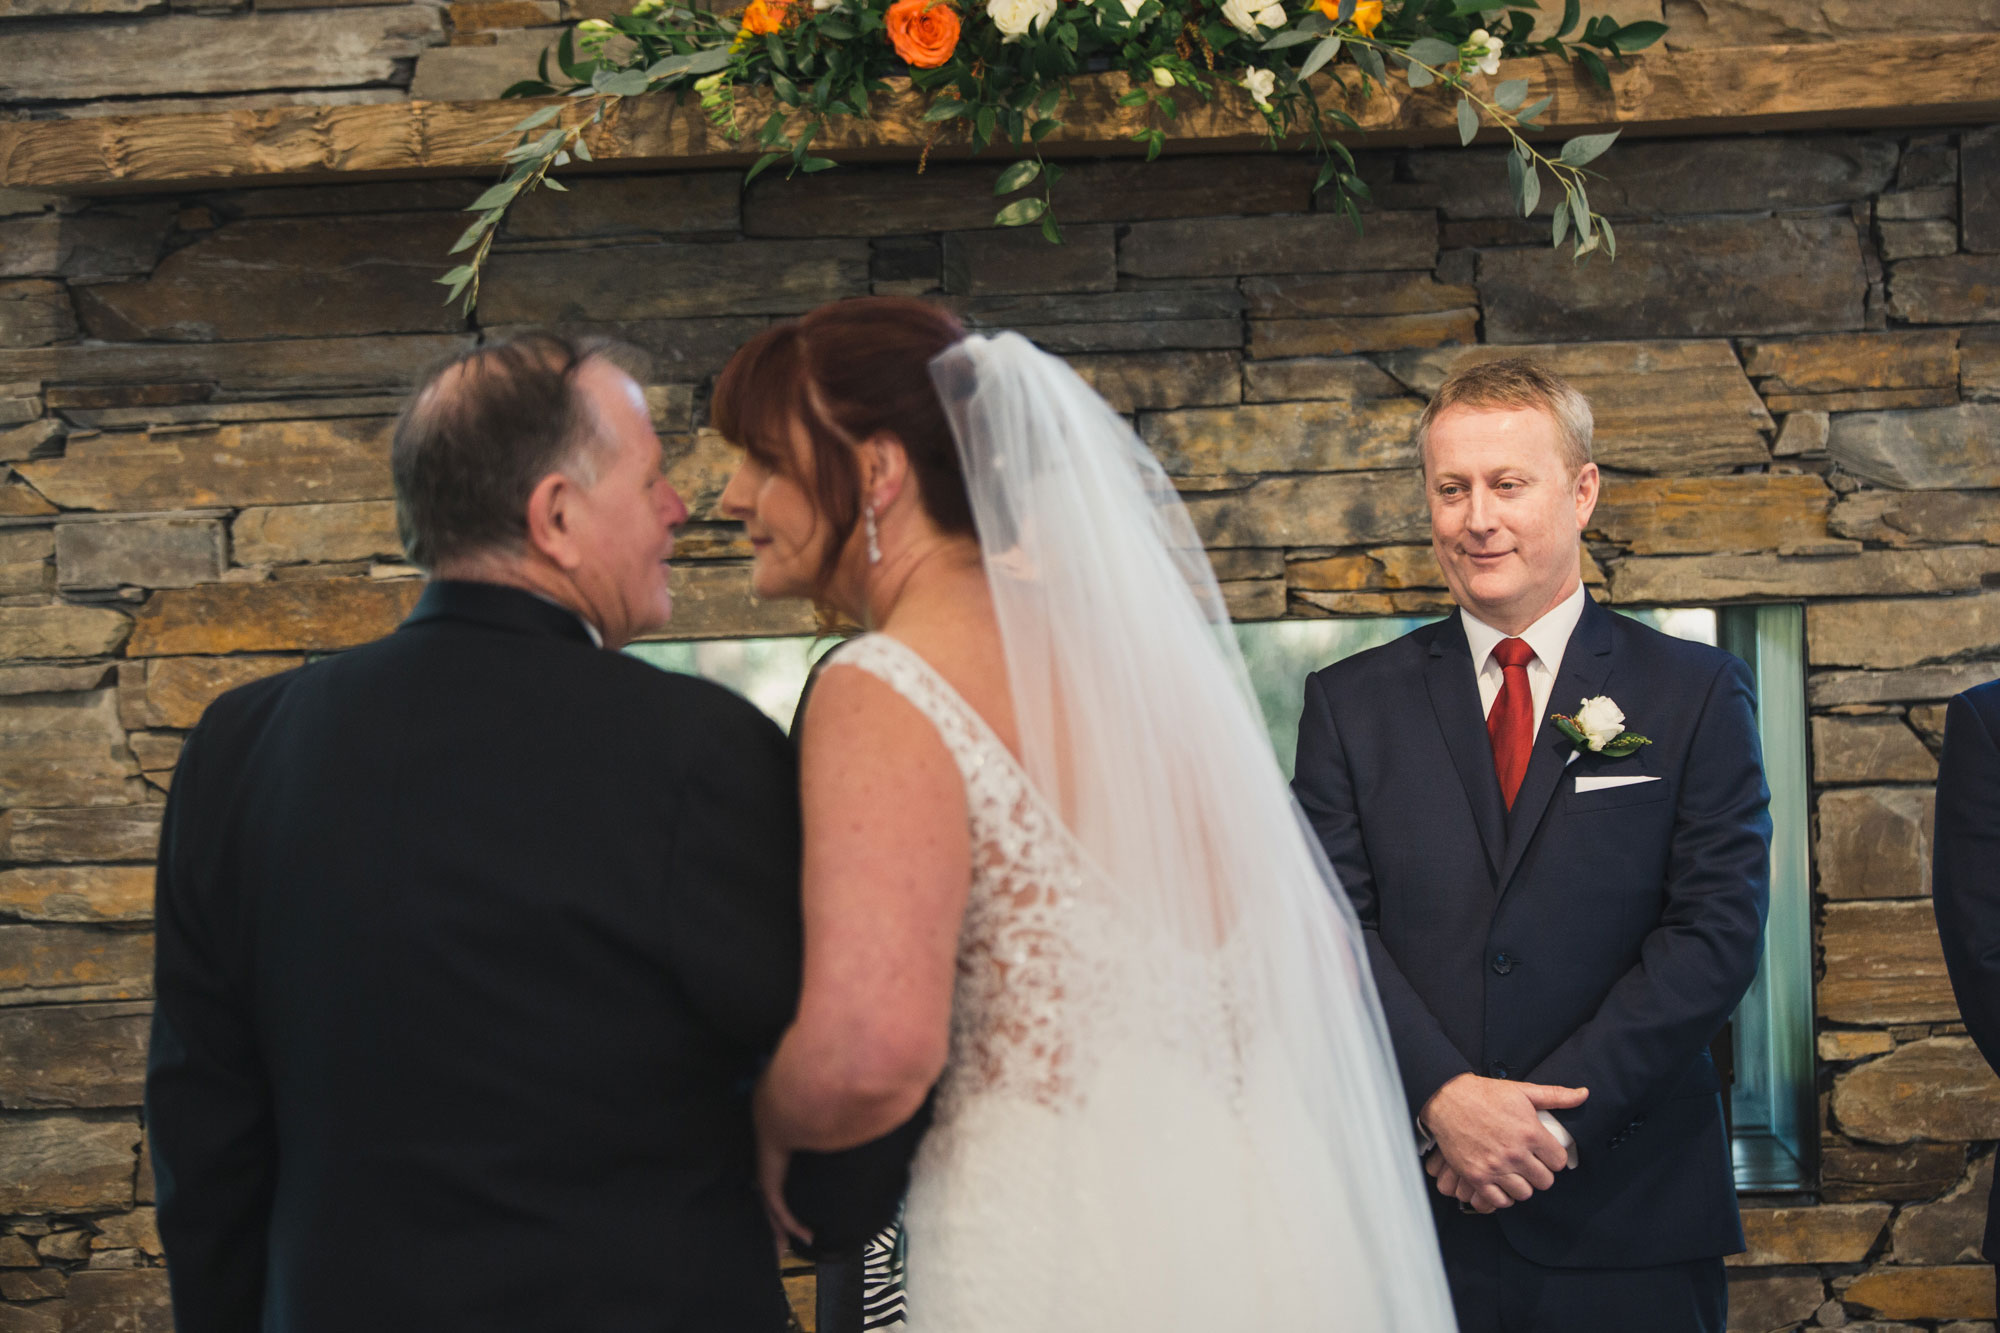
(1557, 930)
(471, 940)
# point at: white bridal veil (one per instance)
(1290, 1151)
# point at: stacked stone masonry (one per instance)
(1795, 362)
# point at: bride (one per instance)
(1052, 867)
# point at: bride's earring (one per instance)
(868, 526)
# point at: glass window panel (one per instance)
(1771, 1102)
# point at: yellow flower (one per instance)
(1366, 18)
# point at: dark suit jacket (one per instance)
(471, 942)
(1965, 875)
(1596, 939)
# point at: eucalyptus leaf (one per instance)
(1610, 237)
(1421, 77)
(1468, 121)
(581, 149)
(1370, 61)
(550, 182)
(475, 231)
(1516, 179)
(1289, 37)
(1441, 56)
(1587, 148)
(540, 118)
(1327, 49)
(457, 275)
(1509, 95)
(624, 83)
(495, 197)
(709, 60)
(1560, 228)
(1021, 212)
(1531, 189)
(812, 164)
(1529, 112)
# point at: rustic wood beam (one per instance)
(1893, 81)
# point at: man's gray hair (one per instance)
(481, 432)
(1517, 382)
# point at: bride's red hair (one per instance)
(847, 372)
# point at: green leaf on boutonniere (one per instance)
(1624, 743)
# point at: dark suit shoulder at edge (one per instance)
(1393, 660)
(1683, 654)
(1984, 701)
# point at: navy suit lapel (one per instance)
(1454, 692)
(1586, 665)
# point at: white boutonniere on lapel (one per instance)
(1599, 728)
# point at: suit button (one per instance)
(1500, 1069)
(1503, 963)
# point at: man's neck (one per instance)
(1514, 625)
(526, 577)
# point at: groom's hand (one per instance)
(1492, 1149)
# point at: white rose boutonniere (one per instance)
(1014, 17)
(1599, 727)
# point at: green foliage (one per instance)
(1006, 92)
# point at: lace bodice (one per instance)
(1023, 983)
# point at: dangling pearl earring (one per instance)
(868, 526)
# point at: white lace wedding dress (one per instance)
(1170, 1103)
(1076, 1133)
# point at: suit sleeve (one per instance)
(1965, 887)
(1426, 1058)
(1700, 958)
(208, 1106)
(736, 932)
(740, 951)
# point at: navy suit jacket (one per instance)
(1597, 939)
(1964, 882)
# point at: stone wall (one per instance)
(1795, 361)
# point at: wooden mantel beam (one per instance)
(1893, 81)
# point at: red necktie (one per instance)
(1511, 724)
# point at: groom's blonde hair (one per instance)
(1515, 383)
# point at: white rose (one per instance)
(1163, 76)
(1600, 720)
(1260, 84)
(1483, 50)
(821, 6)
(1246, 15)
(1014, 17)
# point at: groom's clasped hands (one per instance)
(1493, 1148)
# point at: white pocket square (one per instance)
(1584, 784)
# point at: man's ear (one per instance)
(1588, 481)
(551, 519)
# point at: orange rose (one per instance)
(924, 32)
(1367, 14)
(766, 16)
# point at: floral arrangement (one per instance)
(1599, 727)
(998, 72)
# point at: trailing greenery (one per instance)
(999, 72)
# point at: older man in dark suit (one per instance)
(1560, 913)
(472, 940)
(1965, 876)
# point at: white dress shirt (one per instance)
(1549, 637)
